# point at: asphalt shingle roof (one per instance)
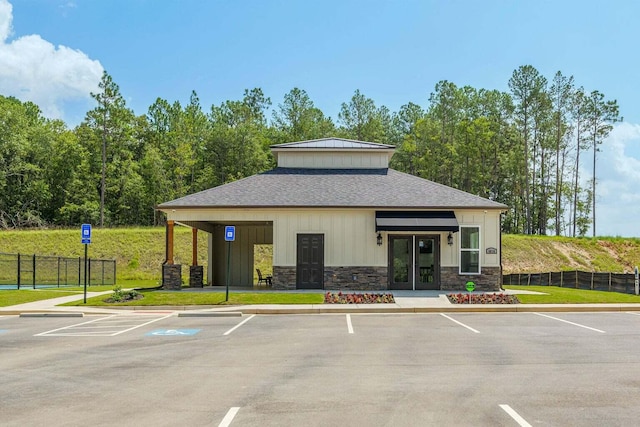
(353, 188)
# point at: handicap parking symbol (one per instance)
(173, 332)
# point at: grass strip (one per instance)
(557, 295)
(160, 298)
(8, 298)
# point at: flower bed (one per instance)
(482, 299)
(340, 298)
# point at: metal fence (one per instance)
(613, 282)
(38, 271)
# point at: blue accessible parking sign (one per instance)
(86, 234)
(229, 233)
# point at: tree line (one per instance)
(522, 148)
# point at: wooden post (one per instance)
(194, 249)
(169, 248)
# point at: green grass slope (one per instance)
(139, 252)
(533, 254)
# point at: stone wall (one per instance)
(336, 278)
(355, 278)
(195, 276)
(172, 276)
(284, 278)
(376, 279)
(488, 281)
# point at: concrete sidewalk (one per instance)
(406, 302)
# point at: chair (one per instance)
(263, 279)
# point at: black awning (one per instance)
(416, 221)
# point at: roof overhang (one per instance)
(416, 221)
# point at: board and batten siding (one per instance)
(331, 160)
(350, 237)
(489, 223)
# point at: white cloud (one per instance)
(618, 185)
(33, 69)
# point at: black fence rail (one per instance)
(613, 282)
(38, 271)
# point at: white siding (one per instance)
(349, 235)
(333, 160)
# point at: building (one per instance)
(339, 218)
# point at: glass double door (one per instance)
(414, 262)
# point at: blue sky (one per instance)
(53, 52)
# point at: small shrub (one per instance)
(119, 295)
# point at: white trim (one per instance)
(480, 231)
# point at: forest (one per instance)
(522, 148)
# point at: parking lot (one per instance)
(467, 369)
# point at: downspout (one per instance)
(166, 243)
(501, 275)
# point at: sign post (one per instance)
(229, 236)
(85, 240)
(636, 281)
(470, 288)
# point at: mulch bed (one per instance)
(340, 298)
(483, 299)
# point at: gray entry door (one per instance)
(414, 262)
(310, 261)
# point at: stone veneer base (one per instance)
(488, 281)
(336, 278)
(195, 276)
(376, 279)
(172, 276)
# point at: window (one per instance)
(469, 250)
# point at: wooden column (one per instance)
(194, 244)
(169, 248)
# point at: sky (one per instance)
(53, 52)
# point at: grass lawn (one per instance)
(159, 298)
(557, 295)
(13, 297)
(22, 296)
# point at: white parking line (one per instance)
(460, 323)
(633, 312)
(349, 325)
(226, 421)
(571, 323)
(71, 326)
(144, 324)
(109, 327)
(238, 325)
(513, 414)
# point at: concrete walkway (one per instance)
(406, 302)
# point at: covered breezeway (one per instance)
(241, 261)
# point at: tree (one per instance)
(361, 120)
(561, 91)
(600, 116)
(297, 119)
(526, 86)
(578, 113)
(110, 121)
